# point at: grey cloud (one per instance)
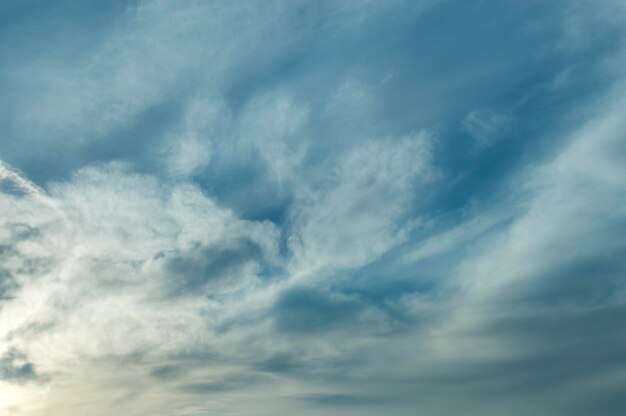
(8, 285)
(552, 353)
(15, 367)
(223, 384)
(207, 388)
(342, 400)
(281, 363)
(584, 282)
(167, 372)
(307, 311)
(24, 256)
(197, 268)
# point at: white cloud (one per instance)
(273, 124)
(93, 289)
(355, 213)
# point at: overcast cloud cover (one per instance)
(334, 207)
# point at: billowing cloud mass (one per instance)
(312, 208)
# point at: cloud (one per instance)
(540, 294)
(189, 272)
(119, 260)
(306, 312)
(340, 400)
(220, 208)
(14, 367)
(485, 126)
(365, 195)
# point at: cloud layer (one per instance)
(338, 208)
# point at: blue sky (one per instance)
(312, 208)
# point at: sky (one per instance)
(332, 207)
